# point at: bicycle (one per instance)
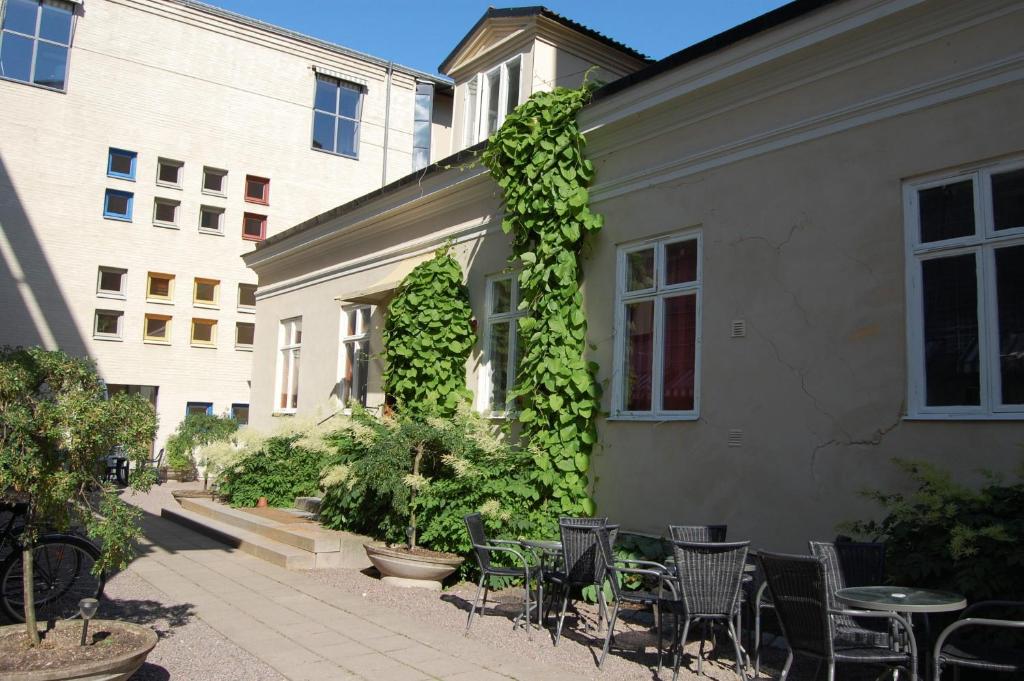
(62, 573)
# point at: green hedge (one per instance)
(280, 470)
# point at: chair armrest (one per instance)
(759, 597)
(649, 563)
(502, 549)
(883, 614)
(973, 622)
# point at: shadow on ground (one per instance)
(146, 612)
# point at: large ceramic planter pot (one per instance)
(117, 668)
(398, 567)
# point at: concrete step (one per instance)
(310, 505)
(256, 545)
(325, 548)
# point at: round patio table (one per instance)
(906, 601)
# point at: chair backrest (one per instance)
(826, 553)
(159, 458)
(605, 554)
(583, 565)
(698, 533)
(709, 575)
(862, 563)
(478, 537)
(798, 588)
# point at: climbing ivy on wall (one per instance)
(537, 159)
(428, 336)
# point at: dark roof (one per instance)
(787, 12)
(747, 29)
(537, 10)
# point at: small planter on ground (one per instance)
(114, 651)
(412, 567)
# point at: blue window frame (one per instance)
(337, 108)
(117, 205)
(240, 413)
(121, 164)
(199, 408)
(35, 42)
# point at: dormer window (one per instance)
(490, 96)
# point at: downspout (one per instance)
(387, 124)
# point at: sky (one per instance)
(420, 34)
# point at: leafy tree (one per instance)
(194, 431)
(55, 430)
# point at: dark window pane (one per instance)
(256, 189)
(240, 412)
(681, 262)
(680, 358)
(21, 16)
(169, 172)
(349, 105)
(244, 333)
(347, 134)
(106, 323)
(156, 328)
(51, 65)
(499, 361)
(206, 292)
(513, 86)
(166, 212)
(253, 226)
(326, 96)
(121, 164)
(202, 332)
(362, 371)
(1008, 199)
(323, 131)
(117, 204)
(639, 355)
(947, 212)
(111, 281)
(15, 57)
(247, 295)
(159, 287)
(640, 270)
(213, 181)
(952, 375)
(55, 24)
(501, 295)
(209, 219)
(492, 83)
(1010, 304)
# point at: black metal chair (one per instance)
(618, 569)
(984, 652)
(801, 593)
(859, 564)
(482, 550)
(698, 533)
(708, 582)
(581, 564)
(862, 563)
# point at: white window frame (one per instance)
(173, 203)
(180, 165)
(476, 130)
(983, 244)
(361, 335)
(117, 335)
(122, 293)
(287, 350)
(485, 385)
(658, 293)
(215, 210)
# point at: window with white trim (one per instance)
(35, 39)
(502, 345)
(657, 322)
(965, 284)
(490, 97)
(355, 354)
(289, 343)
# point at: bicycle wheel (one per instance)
(62, 576)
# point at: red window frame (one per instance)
(265, 182)
(263, 226)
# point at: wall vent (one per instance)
(739, 328)
(735, 437)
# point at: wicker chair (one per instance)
(581, 565)
(708, 579)
(616, 569)
(801, 594)
(862, 563)
(482, 549)
(858, 564)
(952, 650)
(698, 533)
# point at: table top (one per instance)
(901, 599)
(543, 544)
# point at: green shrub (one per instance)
(194, 431)
(948, 536)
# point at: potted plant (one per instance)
(56, 428)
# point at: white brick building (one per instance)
(128, 131)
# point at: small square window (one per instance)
(206, 292)
(211, 219)
(240, 413)
(157, 329)
(117, 205)
(247, 297)
(160, 287)
(254, 227)
(165, 212)
(121, 164)
(199, 408)
(257, 189)
(168, 173)
(204, 332)
(110, 282)
(108, 324)
(245, 332)
(215, 181)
